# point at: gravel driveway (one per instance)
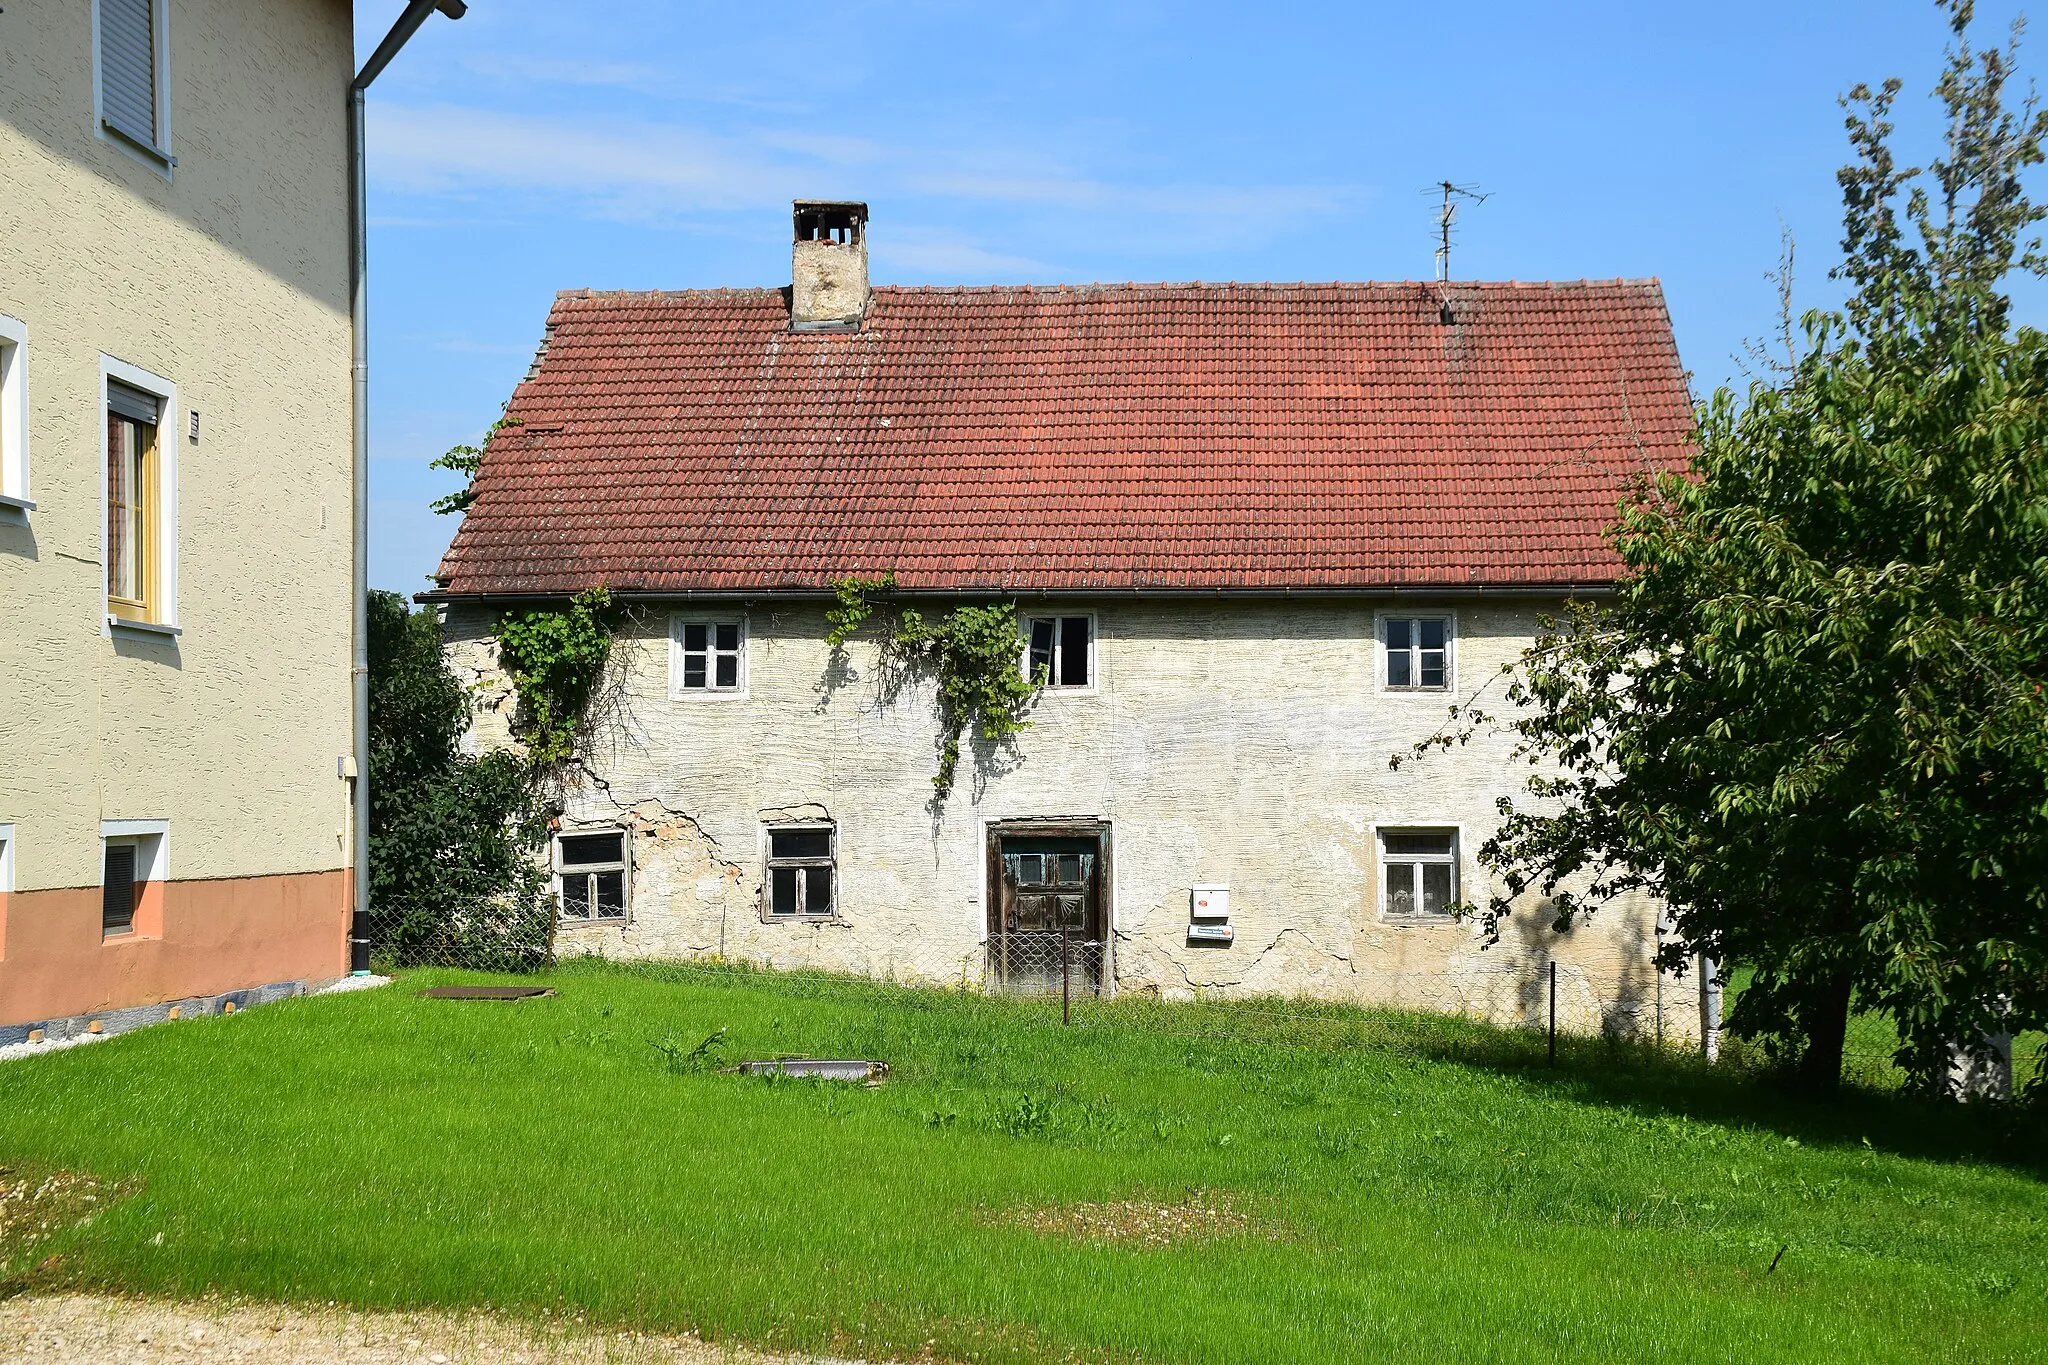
(92, 1330)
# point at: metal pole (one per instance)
(1066, 982)
(1553, 1012)
(359, 465)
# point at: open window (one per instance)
(707, 656)
(14, 495)
(798, 881)
(1060, 651)
(590, 875)
(1418, 875)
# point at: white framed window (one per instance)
(1418, 652)
(1418, 875)
(1059, 652)
(6, 863)
(131, 69)
(707, 656)
(798, 881)
(14, 494)
(139, 497)
(133, 853)
(591, 881)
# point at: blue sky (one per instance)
(533, 146)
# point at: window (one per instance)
(800, 866)
(591, 870)
(1418, 874)
(1061, 650)
(133, 52)
(707, 655)
(117, 889)
(1418, 653)
(139, 546)
(14, 415)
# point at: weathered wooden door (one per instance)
(1046, 914)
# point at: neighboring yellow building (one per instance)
(175, 505)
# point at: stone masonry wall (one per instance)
(1243, 743)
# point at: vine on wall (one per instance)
(973, 649)
(556, 660)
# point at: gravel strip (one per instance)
(82, 1329)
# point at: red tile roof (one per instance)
(1118, 437)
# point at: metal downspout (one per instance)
(359, 464)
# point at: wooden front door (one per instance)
(1046, 913)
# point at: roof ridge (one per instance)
(1107, 286)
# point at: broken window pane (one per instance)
(817, 891)
(1073, 651)
(782, 894)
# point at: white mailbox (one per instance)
(1209, 902)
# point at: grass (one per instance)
(1299, 1183)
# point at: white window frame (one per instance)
(1455, 860)
(1382, 653)
(708, 692)
(1054, 689)
(166, 393)
(769, 863)
(14, 486)
(156, 156)
(6, 864)
(624, 867)
(152, 840)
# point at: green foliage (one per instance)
(973, 649)
(566, 1156)
(1812, 718)
(452, 836)
(556, 661)
(466, 461)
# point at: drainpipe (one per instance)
(359, 367)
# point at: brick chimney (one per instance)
(829, 266)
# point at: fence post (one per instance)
(1553, 1012)
(1066, 980)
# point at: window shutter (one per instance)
(128, 68)
(133, 404)
(117, 907)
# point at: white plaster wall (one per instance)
(228, 278)
(1244, 743)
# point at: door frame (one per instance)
(1101, 831)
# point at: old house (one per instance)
(1260, 537)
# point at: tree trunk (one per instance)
(1824, 1018)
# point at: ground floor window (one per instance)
(799, 876)
(1418, 874)
(590, 867)
(117, 888)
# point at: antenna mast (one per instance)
(1445, 217)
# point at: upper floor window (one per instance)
(134, 52)
(1419, 652)
(1060, 650)
(707, 654)
(134, 501)
(13, 414)
(590, 868)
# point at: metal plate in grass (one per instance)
(484, 992)
(825, 1069)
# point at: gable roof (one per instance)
(1130, 437)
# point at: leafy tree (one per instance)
(1812, 717)
(466, 460)
(453, 877)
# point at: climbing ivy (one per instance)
(972, 648)
(556, 660)
(466, 461)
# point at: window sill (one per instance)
(121, 625)
(616, 922)
(1420, 922)
(148, 149)
(8, 500)
(707, 694)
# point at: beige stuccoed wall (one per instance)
(228, 278)
(1243, 743)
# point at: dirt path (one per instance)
(82, 1329)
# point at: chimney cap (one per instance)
(824, 220)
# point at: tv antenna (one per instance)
(1447, 215)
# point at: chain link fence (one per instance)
(1045, 962)
(483, 934)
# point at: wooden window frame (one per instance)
(678, 656)
(156, 612)
(770, 863)
(1415, 651)
(623, 865)
(1027, 626)
(1384, 857)
(146, 605)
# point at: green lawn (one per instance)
(1413, 1188)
